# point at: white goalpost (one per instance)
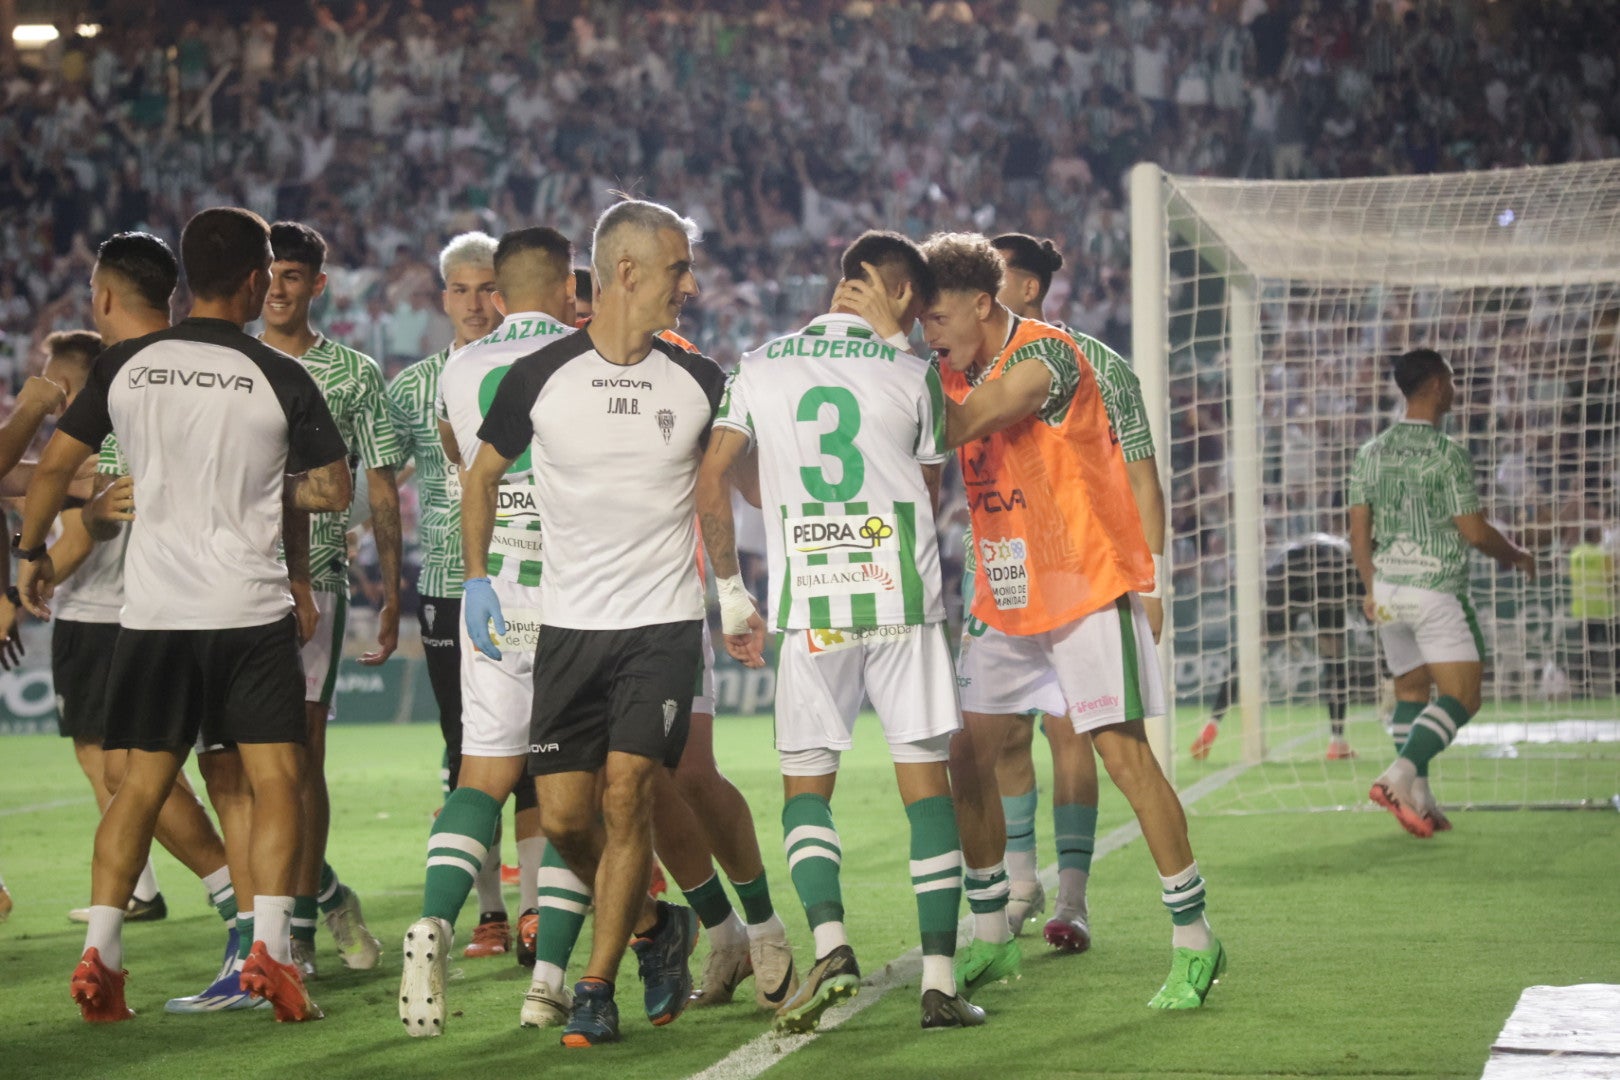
(1265, 316)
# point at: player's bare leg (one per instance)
(722, 824)
(274, 774)
(1074, 819)
(1430, 727)
(981, 822)
(1197, 957)
(1015, 778)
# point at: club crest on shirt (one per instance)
(670, 709)
(666, 423)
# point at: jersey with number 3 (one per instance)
(466, 388)
(844, 422)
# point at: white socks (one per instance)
(938, 974)
(770, 929)
(272, 923)
(146, 886)
(729, 933)
(106, 934)
(830, 935)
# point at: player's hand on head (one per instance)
(872, 302)
(479, 608)
(387, 635)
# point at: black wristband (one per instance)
(26, 554)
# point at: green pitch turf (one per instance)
(1355, 950)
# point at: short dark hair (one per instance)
(889, 251)
(83, 345)
(293, 241)
(1031, 255)
(582, 281)
(143, 261)
(221, 247)
(1414, 369)
(964, 262)
(555, 250)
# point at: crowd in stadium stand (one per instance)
(784, 128)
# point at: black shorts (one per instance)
(239, 685)
(602, 690)
(440, 620)
(81, 656)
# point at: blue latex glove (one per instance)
(480, 607)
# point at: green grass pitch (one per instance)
(1355, 950)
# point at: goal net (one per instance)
(1266, 315)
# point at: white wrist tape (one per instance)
(1158, 578)
(736, 606)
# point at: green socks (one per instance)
(564, 899)
(814, 857)
(330, 892)
(1432, 731)
(303, 918)
(461, 835)
(710, 902)
(1075, 828)
(755, 897)
(936, 872)
(1401, 724)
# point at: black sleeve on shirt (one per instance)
(313, 439)
(88, 418)
(705, 372)
(508, 425)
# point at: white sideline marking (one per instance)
(54, 804)
(761, 1052)
(1539, 731)
(1559, 1033)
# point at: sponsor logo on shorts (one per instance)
(826, 641)
(1096, 704)
(544, 748)
(670, 709)
(428, 612)
(439, 643)
(818, 535)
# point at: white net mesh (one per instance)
(1286, 302)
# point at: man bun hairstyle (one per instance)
(293, 241)
(143, 262)
(964, 262)
(1032, 255)
(896, 258)
(220, 248)
(1414, 369)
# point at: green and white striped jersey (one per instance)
(467, 386)
(1121, 394)
(1415, 480)
(844, 423)
(352, 384)
(413, 404)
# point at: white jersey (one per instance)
(211, 422)
(616, 451)
(844, 422)
(466, 390)
(94, 592)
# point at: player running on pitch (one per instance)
(849, 429)
(1414, 512)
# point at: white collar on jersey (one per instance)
(843, 322)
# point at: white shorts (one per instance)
(1099, 670)
(1423, 626)
(323, 652)
(822, 677)
(497, 696)
(703, 699)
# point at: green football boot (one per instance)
(982, 962)
(1192, 973)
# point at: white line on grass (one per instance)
(54, 804)
(752, 1058)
